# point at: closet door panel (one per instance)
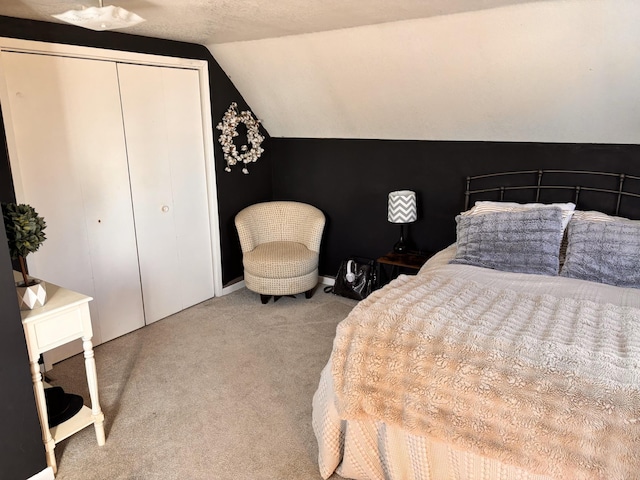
(163, 128)
(71, 157)
(150, 174)
(49, 180)
(191, 212)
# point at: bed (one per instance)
(512, 354)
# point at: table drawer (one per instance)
(58, 329)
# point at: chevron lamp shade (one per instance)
(402, 207)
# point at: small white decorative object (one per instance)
(229, 128)
(33, 296)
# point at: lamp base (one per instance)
(400, 246)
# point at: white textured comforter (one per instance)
(538, 372)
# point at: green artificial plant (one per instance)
(24, 232)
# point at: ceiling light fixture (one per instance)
(100, 18)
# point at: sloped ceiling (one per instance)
(488, 70)
(555, 71)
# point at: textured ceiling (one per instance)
(209, 22)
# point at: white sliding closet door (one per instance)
(165, 143)
(71, 165)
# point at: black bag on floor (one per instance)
(356, 278)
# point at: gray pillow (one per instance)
(526, 241)
(604, 252)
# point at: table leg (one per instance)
(41, 403)
(92, 382)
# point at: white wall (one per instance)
(556, 71)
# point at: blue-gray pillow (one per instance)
(526, 241)
(604, 251)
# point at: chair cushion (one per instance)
(280, 260)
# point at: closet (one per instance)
(113, 156)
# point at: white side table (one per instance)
(63, 318)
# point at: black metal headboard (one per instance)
(612, 193)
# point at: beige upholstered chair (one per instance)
(280, 244)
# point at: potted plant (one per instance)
(25, 234)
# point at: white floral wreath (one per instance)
(228, 126)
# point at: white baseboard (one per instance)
(232, 288)
(46, 474)
(238, 285)
(327, 281)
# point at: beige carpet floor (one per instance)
(221, 390)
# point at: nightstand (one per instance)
(397, 263)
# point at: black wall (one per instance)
(21, 449)
(349, 180)
(235, 190)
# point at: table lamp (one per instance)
(402, 209)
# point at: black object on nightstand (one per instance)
(398, 263)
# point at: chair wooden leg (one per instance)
(308, 293)
(264, 299)
(276, 298)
